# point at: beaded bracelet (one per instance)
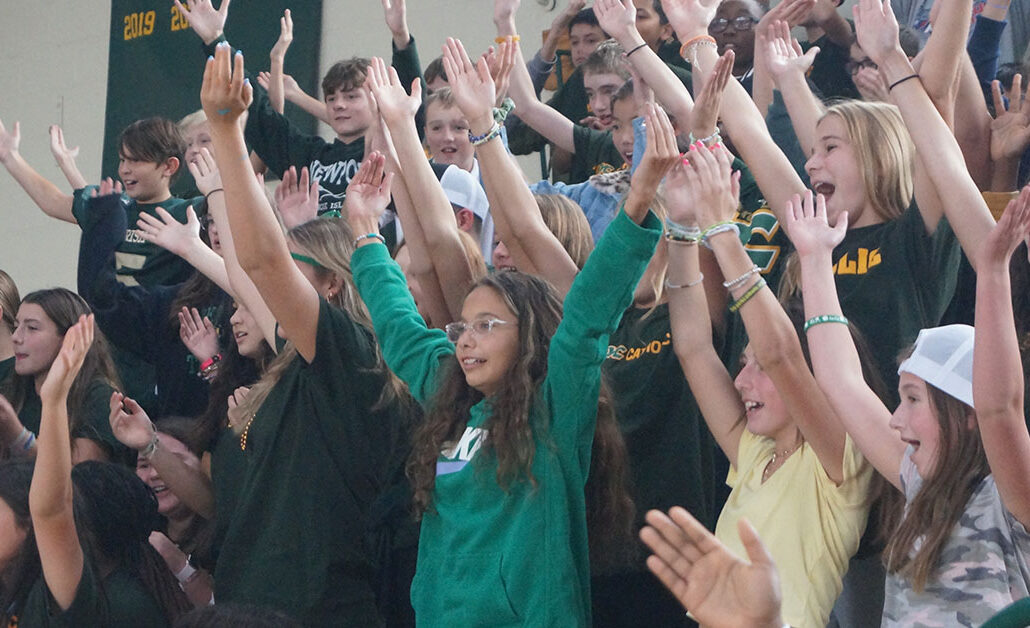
(744, 298)
(689, 284)
(478, 140)
(511, 38)
(825, 318)
(719, 227)
(369, 235)
(714, 138)
(739, 280)
(676, 232)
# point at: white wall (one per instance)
(53, 69)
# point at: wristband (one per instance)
(478, 140)
(714, 138)
(719, 227)
(825, 318)
(902, 80)
(676, 232)
(187, 573)
(148, 452)
(208, 363)
(744, 298)
(511, 38)
(368, 236)
(25, 440)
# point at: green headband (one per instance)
(307, 260)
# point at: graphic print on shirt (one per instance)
(455, 456)
(336, 175)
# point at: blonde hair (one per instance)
(474, 254)
(194, 119)
(444, 96)
(884, 151)
(328, 241)
(564, 218)
(9, 301)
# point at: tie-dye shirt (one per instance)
(983, 565)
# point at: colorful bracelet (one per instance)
(479, 140)
(739, 280)
(694, 42)
(208, 363)
(676, 232)
(689, 284)
(369, 235)
(825, 318)
(744, 298)
(511, 38)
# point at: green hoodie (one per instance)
(519, 557)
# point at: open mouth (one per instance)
(826, 189)
(20, 356)
(468, 363)
(751, 406)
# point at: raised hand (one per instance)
(65, 368)
(396, 14)
(58, 148)
(808, 228)
(198, 334)
(871, 84)
(504, 14)
(369, 192)
(472, 86)
(107, 187)
(130, 423)
(784, 53)
(282, 44)
(225, 94)
(705, 117)
(876, 29)
(205, 21)
(1010, 130)
(618, 18)
(297, 197)
(205, 172)
(718, 588)
(501, 61)
(690, 18)
(9, 141)
(167, 232)
(793, 12)
(394, 103)
(715, 186)
(660, 154)
(1002, 240)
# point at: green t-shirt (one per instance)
(93, 421)
(490, 556)
(314, 463)
(140, 263)
(595, 154)
(673, 458)
(122, 600)
(893, 279)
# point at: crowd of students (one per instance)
(405, 386)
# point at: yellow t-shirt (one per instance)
(810, 525)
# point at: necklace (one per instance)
(243, 434)
(778, 455)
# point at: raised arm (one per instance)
(184, 240)
(618, 19)
(277, 59)
(961, 199)
(517, 220)
(1010, 135)
(259, 242)
(838, 369)
(41, 190)
(691, 324)
(436, 216)
(789, 66)
(209, 182)
(792, 12)
(997, 367)
(66, 158)
(772, 170)
(50, 495)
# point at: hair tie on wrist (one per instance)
(206, 196)
(901, 80)
(635, 48)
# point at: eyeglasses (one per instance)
(479, 327)
(852, 67)
(741, 23)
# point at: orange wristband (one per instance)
(685, 48)
(511, 38)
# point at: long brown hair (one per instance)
(513, 431)
(9, 301)
(330, 242)
(931, 516)
(64, 307)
